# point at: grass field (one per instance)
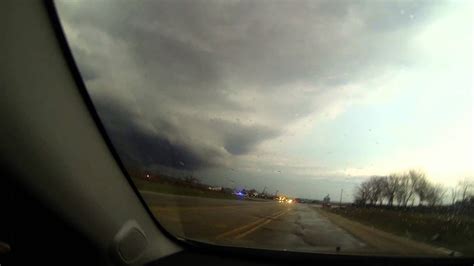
(162, 187)
(455, 232)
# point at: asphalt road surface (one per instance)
(259, 224)
(269, 225)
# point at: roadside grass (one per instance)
(168, 188)
(448, 230)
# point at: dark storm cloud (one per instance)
(181, 72)
(140, 147)
(198, 43)
(240, 139)
(140, 144)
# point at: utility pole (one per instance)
(340, 200)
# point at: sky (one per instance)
(303, 97)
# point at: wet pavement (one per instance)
(256, 224)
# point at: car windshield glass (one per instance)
(312, 126)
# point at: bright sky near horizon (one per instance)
(305, 97)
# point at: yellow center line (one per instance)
(267, 221)
(246, 229)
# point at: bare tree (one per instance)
(419, 185)
(391, 187)
(454, 194)
(370, 191)
(376, 187)
(404, 192)
(466, 187)
(380, 186)
(435, 195)
(404, 188)
(362, 193)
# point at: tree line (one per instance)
(408, 188)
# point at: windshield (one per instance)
(313, 126)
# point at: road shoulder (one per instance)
(384, 242)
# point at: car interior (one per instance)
(65, 196)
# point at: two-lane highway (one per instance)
(259, 224)
(275, 225)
